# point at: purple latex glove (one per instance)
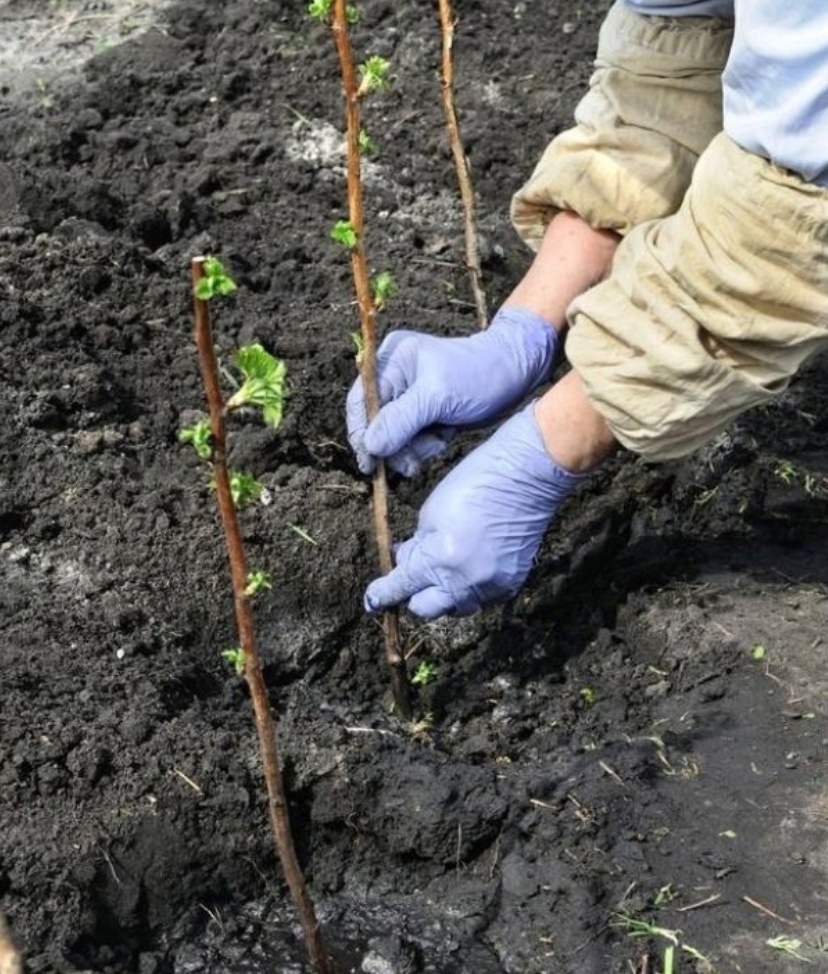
(480, 528)
(429, 386)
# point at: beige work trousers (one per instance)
(653, 105)
(710, 311)
(718, 292)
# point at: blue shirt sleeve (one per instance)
(776, 84)
(683, 8)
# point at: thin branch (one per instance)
(367, 313)
(265, 724)
(767, 911)
(461, 162)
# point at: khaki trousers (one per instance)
(710, 311)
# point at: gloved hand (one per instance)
(480, 528)
(429, 386)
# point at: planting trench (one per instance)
(612, 743)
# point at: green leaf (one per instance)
(263, 385)
(383, 288)
(424, 674)
(320, 9)
(236, 658)
(256, 582)
(343, 232)
(758, 652)
(216, 282)
(359, 345)
(367, 146)
(244, 488)
(374, 75)
(200, 435)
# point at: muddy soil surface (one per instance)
(640, 736)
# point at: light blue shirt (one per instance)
(775, 85)
(689, 8)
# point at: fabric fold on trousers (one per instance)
(709, 311)
(653, 106)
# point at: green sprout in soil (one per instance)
(263, 385)
(236, 658)
(588, 695)
(257, 581)
(383, 288)
(636, 927)
(424, 674)
(758, 652)
(343, 232)
(200, 435)
(216, 281)
(789, 473)
(374, 75)
(665, 895)
(789, 946)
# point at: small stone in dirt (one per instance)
(657, 691)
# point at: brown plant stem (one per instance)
(461, 162)
(367, 311)
(265, 724)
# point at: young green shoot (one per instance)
(758, 652)
(383, 288)
(343, 232)
(200, 435)
(263, 385)
(789, 946)
(359, 346)
(787, 471)
(588, 695)
(669, 959)
(236, 658)
(636, 927)
(367, 146)
(257, 581)
(424, 674)
(665, 895)
(244, 488)
(216, 282)
(321, 10)
(374, 75)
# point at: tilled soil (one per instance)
(639, 737)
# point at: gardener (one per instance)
(688, 264)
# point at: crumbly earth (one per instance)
(640, 736)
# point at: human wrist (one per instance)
(539, 465)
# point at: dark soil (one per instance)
(613, 743)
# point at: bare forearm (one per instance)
(574, 432)
(573, 256)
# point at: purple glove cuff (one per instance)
(538, 338)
